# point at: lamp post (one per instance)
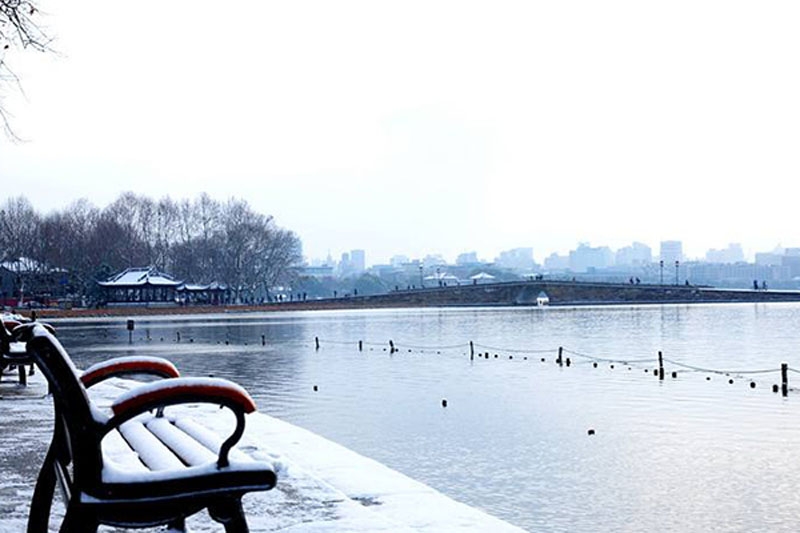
(421, 283)
(677, 264)
(661, 264)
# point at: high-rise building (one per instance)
(637, 254)
(518, 259)
(671, 251)
(358, 261)
(467, 258)
(586, 257)
(732, 254)
(556, 262)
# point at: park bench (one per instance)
(175, 466)
(13, 354)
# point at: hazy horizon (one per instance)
(425, 127)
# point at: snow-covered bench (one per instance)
(13, 354)
(138, 466)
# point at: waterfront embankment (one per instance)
(509, 294)
(322, 487)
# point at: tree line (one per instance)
(200, 241)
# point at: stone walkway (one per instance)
(322, 487)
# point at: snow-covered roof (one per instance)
(26, 264)
(213, 286)
(441, 276)
(138, 277)
(482, 275)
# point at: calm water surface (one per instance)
(685, 454)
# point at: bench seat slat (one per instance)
(152, 451)
(184, 446)
(209, 439)
(117, 451)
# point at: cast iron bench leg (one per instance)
(77, 520)
(39, 516)
(230, 514)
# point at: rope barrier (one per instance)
(449, 347)
(715, 371)
(513, 350)
(588, 358)
(608, 360)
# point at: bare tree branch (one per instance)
(19, 30)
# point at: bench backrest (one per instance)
(76, 435)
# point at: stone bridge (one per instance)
(530, 293)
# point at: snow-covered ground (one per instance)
(322, 486)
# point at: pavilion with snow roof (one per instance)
(143, 285)
(213, 293)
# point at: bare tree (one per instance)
(18, 228)
(19, 30)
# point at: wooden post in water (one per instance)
(785, 379)
(360, 346)
(471, 351)
(558, 359)
(391, 346)
(316, 342)
(660, 366)
(263, 340)
(130, 331)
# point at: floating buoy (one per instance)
(511, 357)
(775, 388)
(752, 384)
(646, 370)
(543, 360)
(730, 381)
(316, 388)
(708, 378)
(444, 403)
(568, 361)
(612, 367)
(674, 375)
(594, 364)
(591, 431)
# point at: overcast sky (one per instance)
(420, 127)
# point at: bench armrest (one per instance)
(120, 366)
(186, 390)
(23, 331)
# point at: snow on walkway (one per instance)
(322, 486)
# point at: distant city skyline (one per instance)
(729, 252)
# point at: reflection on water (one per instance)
(685, 454)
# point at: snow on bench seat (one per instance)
(153, 443)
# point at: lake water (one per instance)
(692, 453)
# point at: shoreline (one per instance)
(529, 294)
(322, 486)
